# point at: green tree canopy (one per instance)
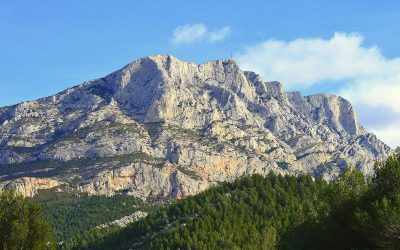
(21, 224)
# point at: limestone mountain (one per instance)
(160, 128)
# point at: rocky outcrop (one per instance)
(160, 128)
(143, 181)
(126, 220)
(29, 186)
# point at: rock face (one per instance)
(124, 221)
(29, 186)
(160, 128)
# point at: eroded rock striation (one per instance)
(160, 128)
(126, 220)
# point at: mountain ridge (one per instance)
(163, 128)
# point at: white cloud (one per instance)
(389, 134)
(375, 92)
(220, 34)
(305, 62)
(362, 74)
(190, 33)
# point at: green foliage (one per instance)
(71, 215)
(22, 225)
(254, 212)
(362, 216)
(378, 218)
(86, 239)
(335, 228)
(251, 213)
(272, 212)
(387, 178)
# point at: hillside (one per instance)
(70, 215)
(160, 129)
(283, 212)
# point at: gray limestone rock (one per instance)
(160, 128)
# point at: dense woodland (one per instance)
(256, 212)
(70, 214)
(285, 212)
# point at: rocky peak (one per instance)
(163, 128)
(333, 111)
(157, 88)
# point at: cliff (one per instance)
(160, 128)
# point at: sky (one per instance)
(348, 48)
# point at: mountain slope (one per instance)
(160, 128)
(253, 212)
(270, 212)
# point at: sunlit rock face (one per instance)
(160, 128)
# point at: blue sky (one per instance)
(47, 46)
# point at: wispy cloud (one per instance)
(190, 33)
(362, 74)
(220, 34)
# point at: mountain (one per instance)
(160, 128)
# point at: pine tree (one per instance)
(22, 225)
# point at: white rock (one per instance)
(166, 129)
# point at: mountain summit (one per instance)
(160, 128)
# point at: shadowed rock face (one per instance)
(160, 128)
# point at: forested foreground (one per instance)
(255, 212)
(51, 217)
(284, 212)
(70, 214)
